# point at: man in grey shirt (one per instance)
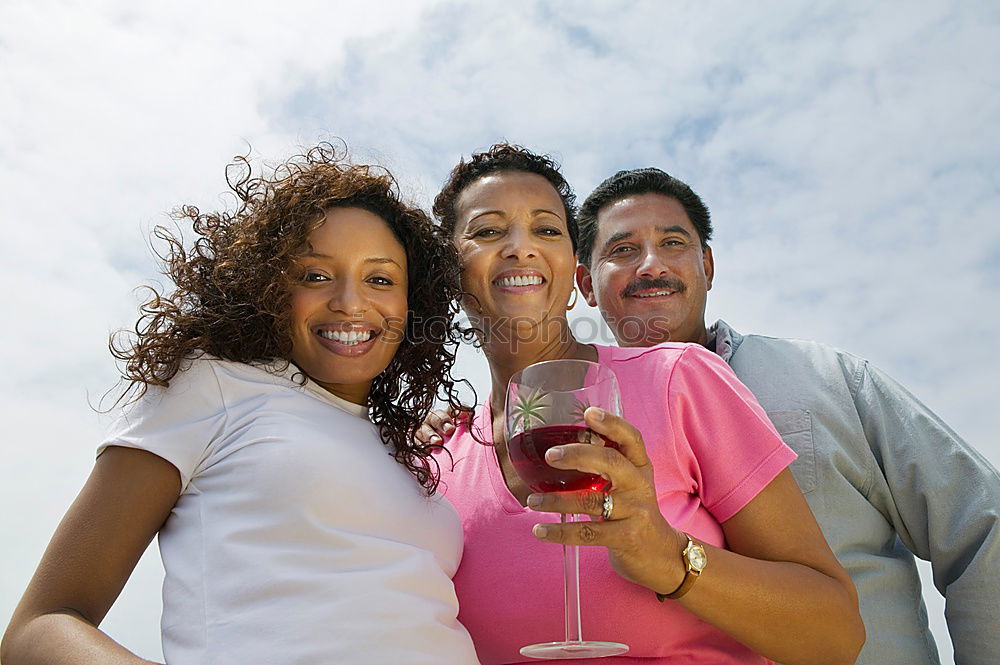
(885, 477)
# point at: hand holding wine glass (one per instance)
(641, 544)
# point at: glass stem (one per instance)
(571, 586)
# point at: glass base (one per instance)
(567, 650)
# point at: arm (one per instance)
(943, 499)
(123, 504)
(779, 590)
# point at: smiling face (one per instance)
(650, 275)
(516, 252)
(348, 305)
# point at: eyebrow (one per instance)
(501, 213)
(622, 235)
(373, 259)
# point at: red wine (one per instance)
(527, 454)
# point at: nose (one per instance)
(346, 297)
(651, 264)
(519, 244)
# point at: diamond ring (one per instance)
(609, 506)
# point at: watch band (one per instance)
(691, 576)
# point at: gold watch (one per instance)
(695, 561)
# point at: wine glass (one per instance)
(545, 405)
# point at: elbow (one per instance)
(857, 634)
(15, 640)
(6, 645)
(849, 645)
(853, 635)
(860, 636)
(854, 642)
(839, 647)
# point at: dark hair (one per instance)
(502, 157)
(232, 295)
(631, 183)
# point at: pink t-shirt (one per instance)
(713, 450)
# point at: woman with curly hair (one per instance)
(699, 474)
(269, 443)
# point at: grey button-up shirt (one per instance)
(886, 480)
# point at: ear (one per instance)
(586, 284)
(709, 263)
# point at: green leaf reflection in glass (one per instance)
(529, 408)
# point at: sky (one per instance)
(848, 152)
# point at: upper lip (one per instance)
(638, 293)
(651, 286)
(344, 326)
(519, 272)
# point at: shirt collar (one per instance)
(292, 372)
(723, 340)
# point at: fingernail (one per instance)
(553, 454)
(435, 438)
(598, 414)
(534, 500)
(539, 531)
(447, 428)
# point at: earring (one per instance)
(572, 304)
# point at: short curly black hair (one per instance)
(232, 290)
(633, 182)
(503, 157)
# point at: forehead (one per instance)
(641, 214)
(355, 233)
(507, 191)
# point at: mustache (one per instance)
(658, 283)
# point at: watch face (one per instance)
(696, 556)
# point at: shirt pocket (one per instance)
(795, 428)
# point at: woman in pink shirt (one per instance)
(698, 462)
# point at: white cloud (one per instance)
(848, 152)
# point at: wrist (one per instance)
(694, 560)
(671, 563)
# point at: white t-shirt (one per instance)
(297, 538)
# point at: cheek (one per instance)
(299, 307)
(474, 264)
(564, 266)
(475, 268)
(607, 285)
(394, 314)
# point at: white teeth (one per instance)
(349, 337)
(525, 280)
(654, 294)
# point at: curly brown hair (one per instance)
(502, 157)
(232, 295)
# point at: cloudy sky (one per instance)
(848, 152)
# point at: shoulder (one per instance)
(205, 383)
(788, 354)
(197, 378)
(665, 355)
(794, 345)
(670, 357)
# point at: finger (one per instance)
(586, 502)
(607, 534)
(440, 421)
(619, 430)
(603, 461)
(426, 436)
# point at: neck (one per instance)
(356, 393)
(512, 349)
